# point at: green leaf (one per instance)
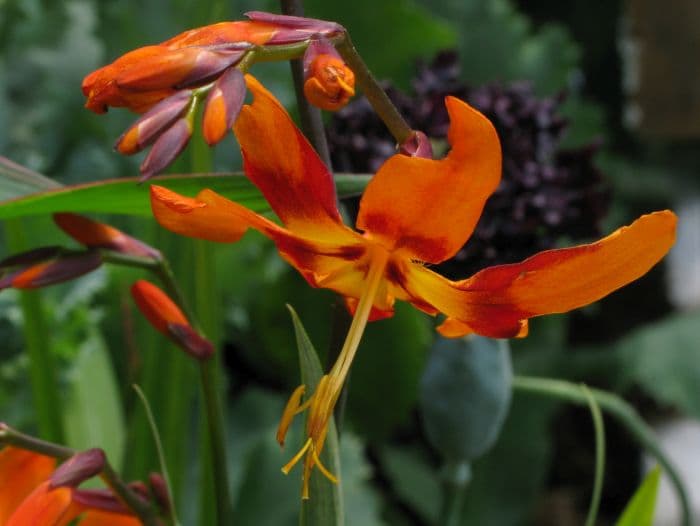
(640, 510)
(325, 507)
(662, 358)
(125, 196)
(93, 412)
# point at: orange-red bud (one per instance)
(329, 82)
(223, 105)
(167, 318)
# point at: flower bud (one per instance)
(295, 28)
(98, 235)
(417, 145)
(168, 319)
(78, 468)
(328, 81)
(152, 123)
(223, 105)
(168, 146)
(64, 267)
(177, 68)
(161, 493)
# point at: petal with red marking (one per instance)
(336, 259)
(430, 207)
(495, 301)
(283, 165)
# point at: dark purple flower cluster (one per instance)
(546, 194)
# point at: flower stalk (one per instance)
(619, 409)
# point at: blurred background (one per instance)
(598, 109)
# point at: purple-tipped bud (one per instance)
(295, 28)
(100, 499)
(152, 123)
(417, 145)
(62, 268)
(166, 148)
(98, 235)
(78, 468)
(223, 105)
(210, 64)
(161, 493)
(191, 341)
(30, 257)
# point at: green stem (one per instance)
(42, 371)
(142, 509)
(456, 478)
(376, 96)
(311, 121)
(623, 412)
(206, 297)
(599, 430)
(217, 437)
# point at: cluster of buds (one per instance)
(168, 81)
(34, 490)
(45, 266)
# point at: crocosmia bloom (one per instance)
(415, 212)
(34, 492)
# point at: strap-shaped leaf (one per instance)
(125, 196)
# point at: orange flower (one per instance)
(32, 491)
(144, 76)
(414, 212)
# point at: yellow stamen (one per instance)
(289, 465)
(292, 408)
(346, 87)
(321, 467)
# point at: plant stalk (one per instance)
(623, 412)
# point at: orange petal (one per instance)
(282, 163)
(430, 207)
(334, 259)
(46, 507)
(20, 472)
(105, 518)
(495, 301)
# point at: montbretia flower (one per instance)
(34, 491)
(328, 82)
(414, 213)
(169, 320)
